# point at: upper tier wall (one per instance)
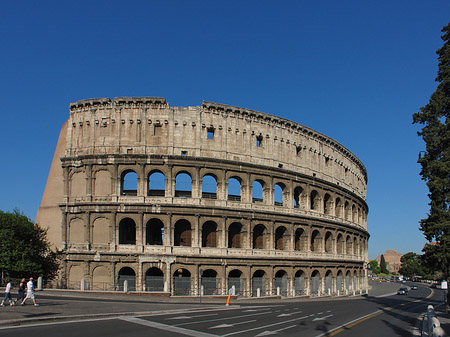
(148, 125)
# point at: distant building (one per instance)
(392, 258)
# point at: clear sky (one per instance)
(353, 70)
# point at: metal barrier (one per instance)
(433, 325)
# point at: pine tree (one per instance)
(435, 163)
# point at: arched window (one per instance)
(156, 184)
(327, 204)
(236, 280)
(281, 283)
(234, 235)
(316, 241)
(278, 194)
(355, 246)
(328, 282)
(314, 199)
(181, 282)
(182, 233)
(209, 187)
(127, 274)
(340, 244)
(128, 183)
(154, 280)
(259, 282)
(280, 240)
(209, 282)
(328, 242)
(234, 189)
(257, 191)
(209, 233)
(127, 232)
(300, 240)
(299, 283)
(183, 185)
(349, 248)
(347, 211)
(315, 283)
(354, 214)
(297, 197)
(337, 208)
(154, 232)
(259, 237)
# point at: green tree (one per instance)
(383, 265)
(411, 265)
(373, 266)
(435, 162)
(24, 249)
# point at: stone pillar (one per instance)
(169, 182)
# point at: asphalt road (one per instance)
(393, 315)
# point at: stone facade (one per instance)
(190, 200)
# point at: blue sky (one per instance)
(353, 70)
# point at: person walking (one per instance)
(21, 290)
(30, 293)
(7, 294)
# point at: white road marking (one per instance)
(274, 332)
(225, 318)
(231, 325)
(264, 326)
(166, 327)
(321, 318)
(290, 314)
(189, 317)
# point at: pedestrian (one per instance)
(30, 293)
(21, 290)
(7, 294)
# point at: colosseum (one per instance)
(204, 200)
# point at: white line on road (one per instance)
(166, 327)
(188, 317)
(231, 325)
(274, 332)
(264, 326)
(225, 318)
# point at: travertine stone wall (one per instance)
(311, 241)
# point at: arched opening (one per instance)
(181, 282)
(314, 200)
(127, 232)
(280, 240)
(315, 283)
(354, 214)
(259, 282)
(234, 189)
(349, 248)
(257, 191)
(128, 183)
(281, 283)
(316, 241)
(328, 282)
(297, 197)
(339, 284)
(209, 282)
(156, 184)
(209, 234)
(236, 280)
(355, 281)
(127, 274)
(154, 232)
(299, 283)
(183, 185)
(338, 208)
(340, 244)
(347, 211)
(234, 235)
(209, 187)
(355, 246)
(301, 240)
(259, 237)
(182, 233)
(348, 281)
(154, 280)
(328, 242)
(278, 194)
(327, 204)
